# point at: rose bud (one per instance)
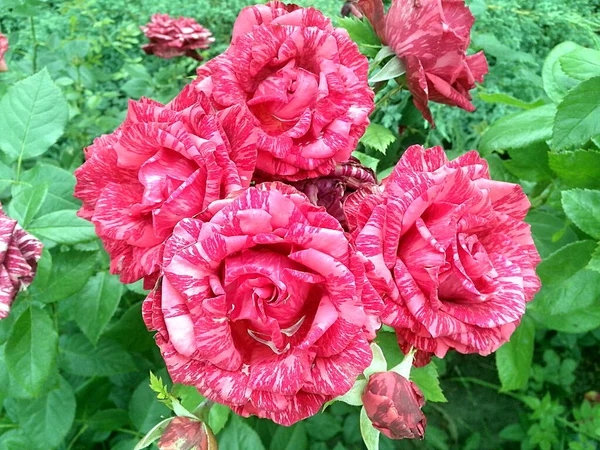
(3, 50)
(19, 254)
(175, 37)
(331, 191)
(186, 433)
(350, 9)
(393, 404)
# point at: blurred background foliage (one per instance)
(91, 49)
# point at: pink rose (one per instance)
(265, 307)
(163, 164)
(431, 37)
(449, 252)
(175, 37)
(303, 83)
(185, 433)
(331, 191)
(393, 404)
(19, 254)
(3, 50)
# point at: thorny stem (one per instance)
(35, 44)
(77, 436)
(387, 96)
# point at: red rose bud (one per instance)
(332, 190)
(175, 37)
(394, 404)
(350, 9)
(3, 50)
(185, 433)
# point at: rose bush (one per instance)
(431, 38)
(163, 164)
(448, 251)
(175, 37)
(19, 254)
(394, 404)
(265, 307)
(302, 82)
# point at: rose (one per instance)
(175, 37)
(3, 50)
(303, 83)
(19, 254)
(186, 433)
(448, 251)
(431, 37)
(164, 163)
(393, 404)
(331, 191)
(265, 307)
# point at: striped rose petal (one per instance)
(163, 164)
(265, 306)
(449, 252)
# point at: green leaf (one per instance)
(568, 300)
(556, 81)
(217, 417)
(130, 330)
(25, 205)
(366, 160)
(392, 69)
(62, 227)
(578, 116)
(354, 395)
(579, 168)
(322, 427)
(79, 357)
(144, 409)
(96, 304)
(530, 163)
(61, 184)
(519, 130)
(290, 438)
(566, 262)
(369, 434)
(582, 206)
(427, 379)
(594, 263)
(31, 349)
(108, 420)
(505, 99)
(47, 420)
(237, 434)
(33, 115)
(69, 274)
(514, 358)
(378, 137)
(550, 232)
(581, 64)
(362, 33)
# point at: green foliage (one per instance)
(75, 354)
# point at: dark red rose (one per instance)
(175, 37)
(394, 404)
(331, 191)
(19, 254)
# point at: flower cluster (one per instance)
(273, 256)
(175, 37)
